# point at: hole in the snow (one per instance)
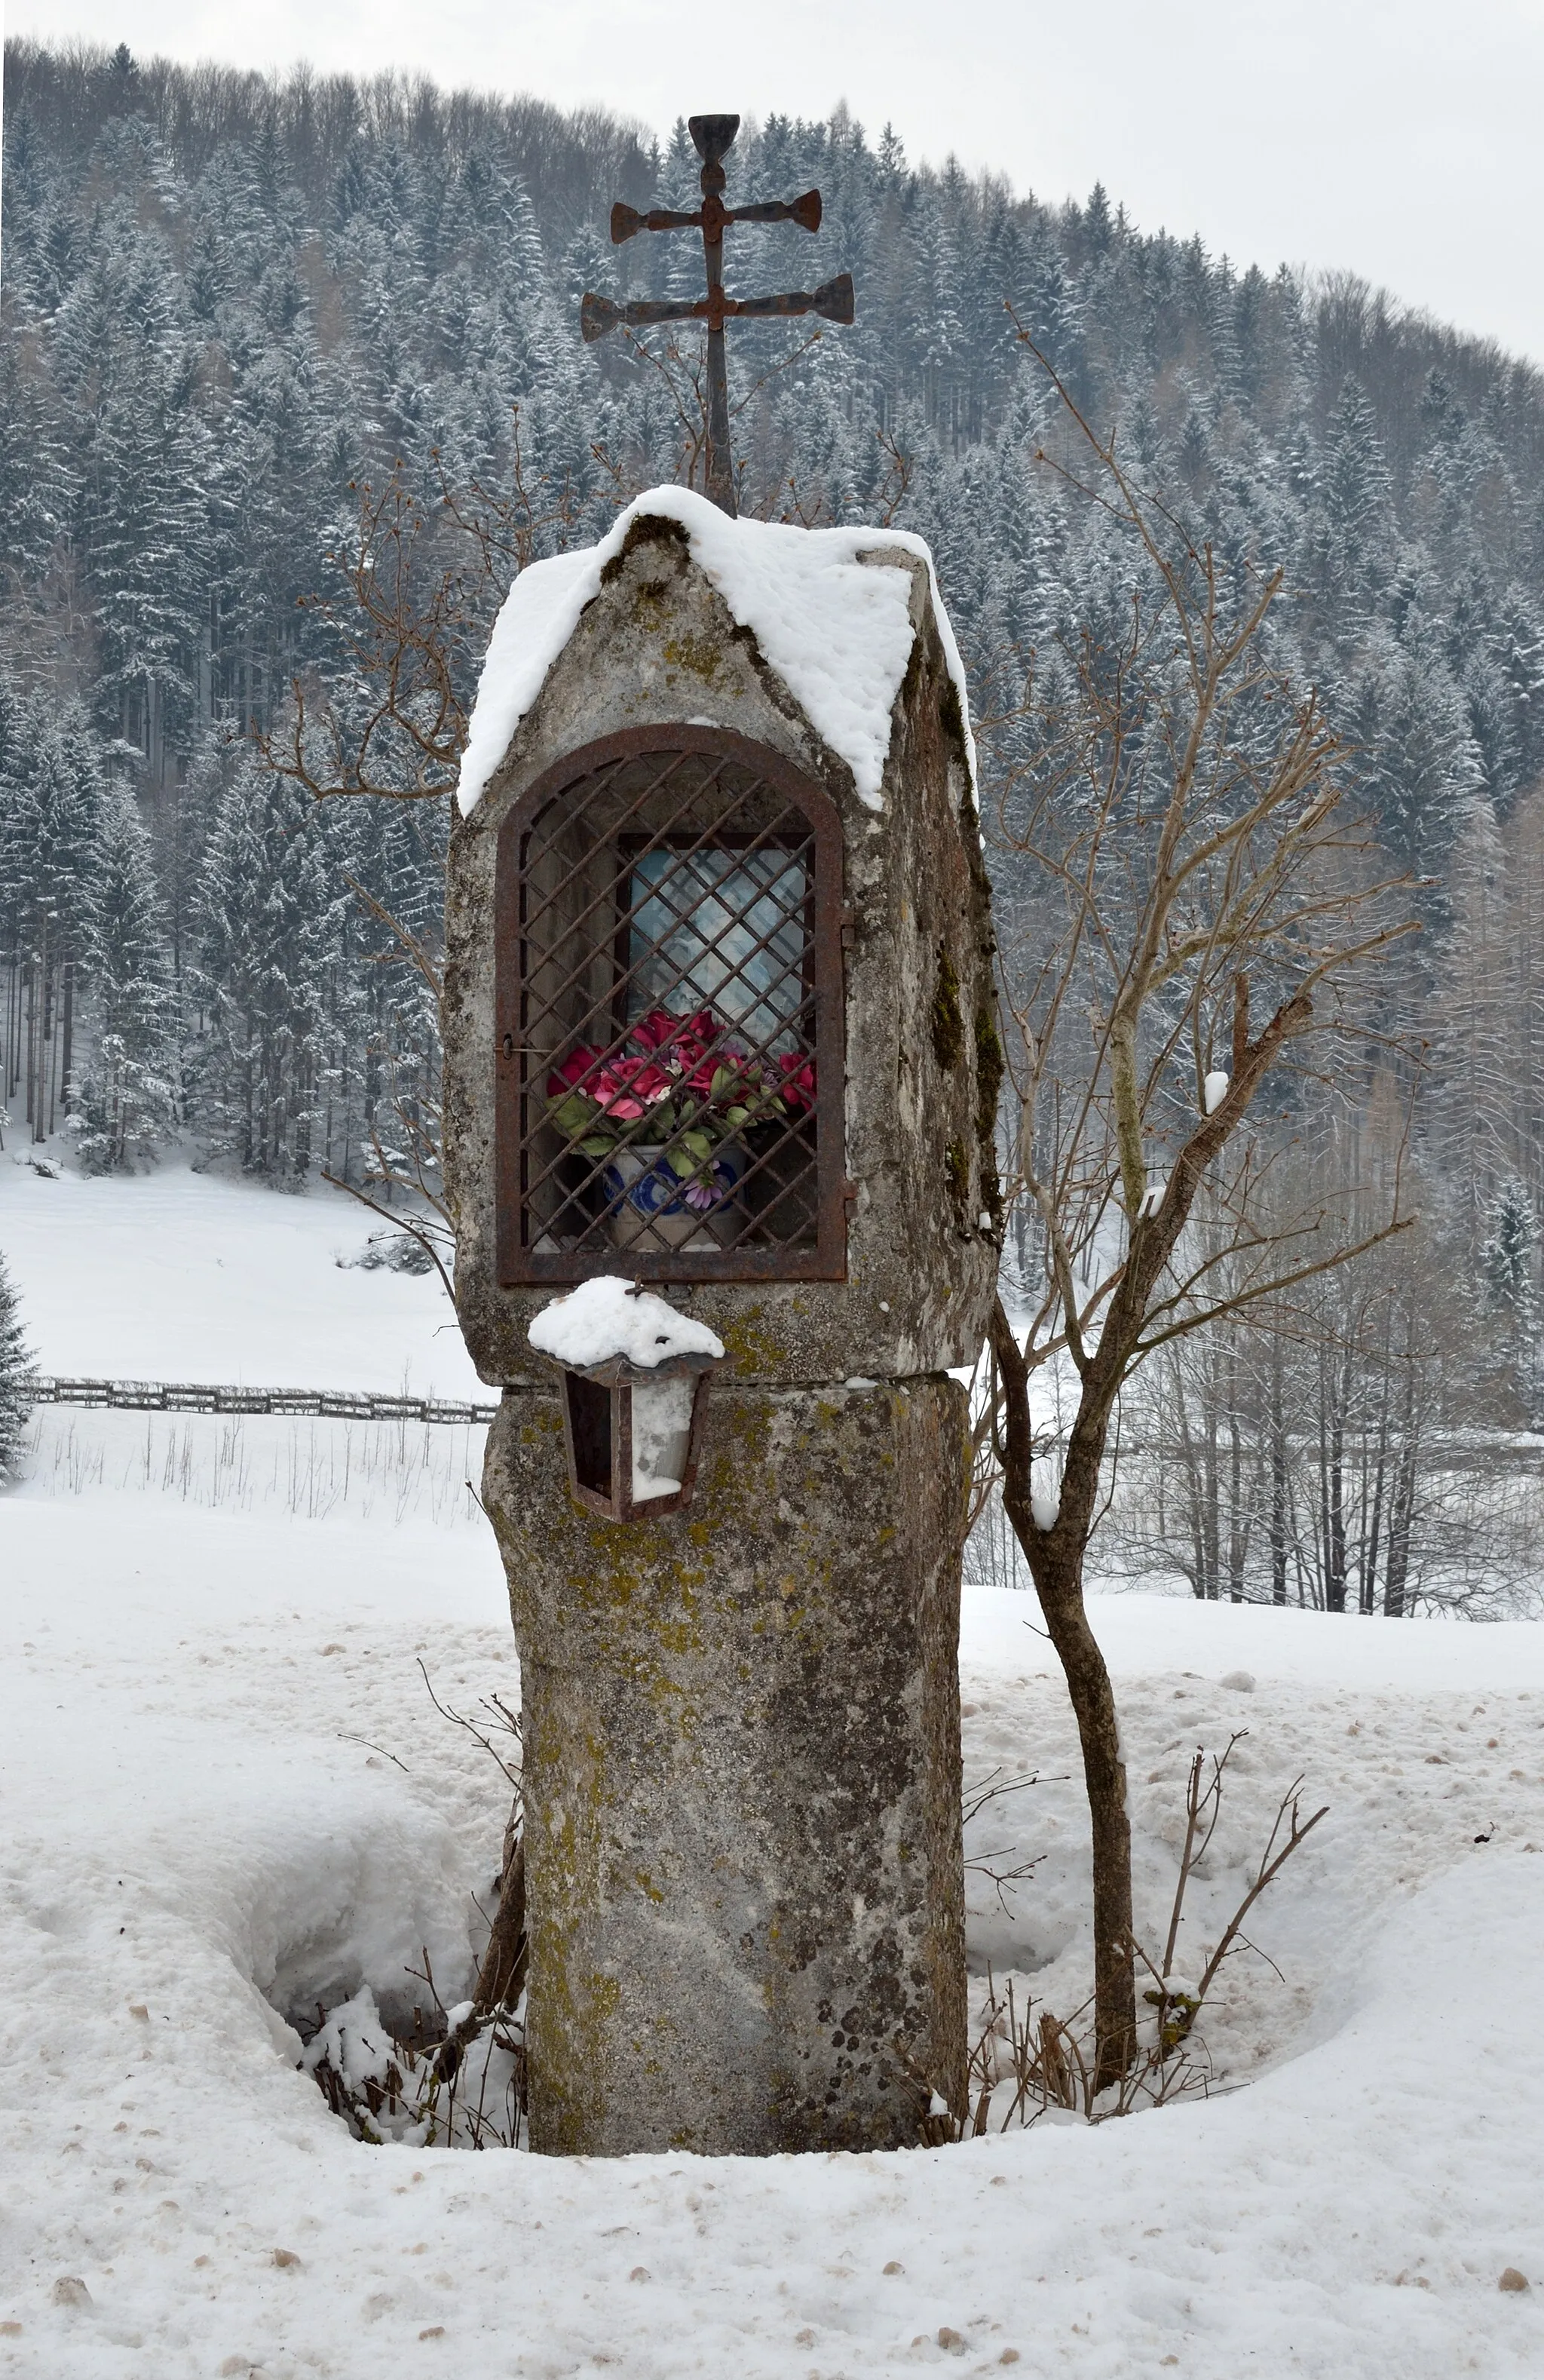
(435, 2060)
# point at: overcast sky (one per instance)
(1401, 141)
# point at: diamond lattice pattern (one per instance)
(669, 1100)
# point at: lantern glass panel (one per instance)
(669, 1012)
(662, 1434)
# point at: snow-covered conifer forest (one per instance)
(235, 309)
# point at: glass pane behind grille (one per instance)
(670, 1100)
(729, 929)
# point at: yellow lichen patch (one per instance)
(699, 654)
(751, 1344)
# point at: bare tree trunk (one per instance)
(1399, 1537)
(1335, 1547)
(1278, 1475)
(1372, 1536)
(1056, 1560)
(1194, 1495)
(1396, 1571)
(48, 1068)
(67, 1056)
(1208, 1461)
(1237, 1538)
(1331, 1511)
(501, 1975)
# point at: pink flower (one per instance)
(627, 1088)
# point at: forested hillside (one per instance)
(229, 302)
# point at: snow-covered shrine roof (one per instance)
(838, 632)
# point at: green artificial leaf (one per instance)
(572, 1114)
(692, 1153)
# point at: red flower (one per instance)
(796, 1088)
(693, 1059)
(657, 1026)
(682, 1043)
(574, 1074)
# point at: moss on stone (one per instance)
(951, 717)
(948, 1026)
(989, 1069)
(957, 1165)
(751, 1342)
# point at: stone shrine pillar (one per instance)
(720, 1026)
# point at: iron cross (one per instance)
(711, 136)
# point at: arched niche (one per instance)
(668, 1016)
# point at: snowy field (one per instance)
(224, 1792)
(181, 1275)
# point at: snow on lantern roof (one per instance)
(608, 1316)
(838, 633)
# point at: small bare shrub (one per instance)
(455, 2079)
(1050, 2062)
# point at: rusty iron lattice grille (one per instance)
(669, 1016)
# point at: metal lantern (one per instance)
(632, 1434)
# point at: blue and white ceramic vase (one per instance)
(648, 1202)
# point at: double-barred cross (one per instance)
(712, 135)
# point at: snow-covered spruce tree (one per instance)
(50, 796)
(127, 1097)
(16, 1375)
(1507, 1258)
(272, 905)
(1475, 1029)
(1351, 525)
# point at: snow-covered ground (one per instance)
(224, 1791)
(181, 1275)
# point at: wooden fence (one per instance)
(185, 1396)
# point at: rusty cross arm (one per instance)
(626, 222)
(833, 300)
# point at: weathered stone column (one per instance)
(744, 1865)
(742, 1747)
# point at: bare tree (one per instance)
(1379, 1467)
(1185, 863)
(418, 584)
